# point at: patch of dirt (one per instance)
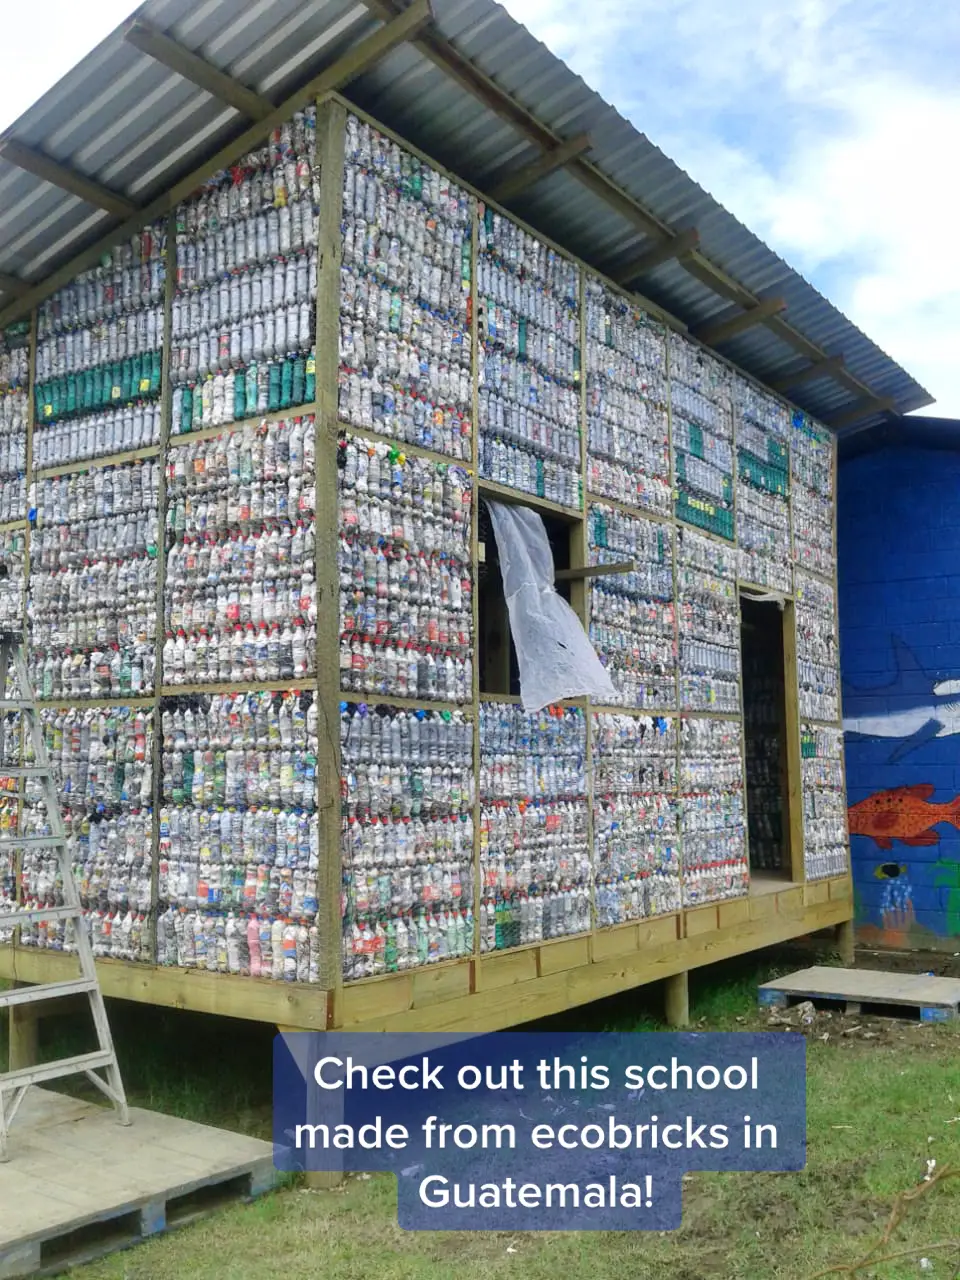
(847, 1030)
(940, 963)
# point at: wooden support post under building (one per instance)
(676, 999)
(846, 942)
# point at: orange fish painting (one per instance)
(904, 814)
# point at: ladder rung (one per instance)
(23, 915)
(47, 991)
(31, 842)
(56, 1070)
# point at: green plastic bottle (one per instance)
(273, 389)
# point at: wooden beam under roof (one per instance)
(352, 63)
(67, 179)
(162, 48)
(678, 246)
(549, 162)
(862, 409)
(819, 369)
(434, 46)
(723, 330)
(13, 286)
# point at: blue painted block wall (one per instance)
(898, 542)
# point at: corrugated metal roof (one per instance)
(137, 127)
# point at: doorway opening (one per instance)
(765, 739)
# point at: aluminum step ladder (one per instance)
(15, 1084)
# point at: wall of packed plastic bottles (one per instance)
(175, 587)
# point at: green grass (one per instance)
(878, 1109)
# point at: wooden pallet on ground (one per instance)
(78, 1185)
(863, 990)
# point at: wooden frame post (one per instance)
(331, 132)
(676, 999)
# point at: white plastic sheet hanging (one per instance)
(555, 656)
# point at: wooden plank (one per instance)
(488, 1010)
(651, 933)
(677, 246)
(13, 286)
(728, 327)
(864, 408)
(869, 987)
(619, 941)
(791, 733)
(159, 46)
(790, 901)
(763, 906)
(841, 890)
(569, 953)
(818, 891)
(154, 1164)
(736, 911)
(818, 369)
(370, 1001)
(549, 162)
(700, 920)
(677, 999)
(59, 175)
(440, 982)
(506, 968)
(256, 999)
(594, 571)
(331, 126)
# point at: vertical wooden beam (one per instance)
(580, 589)
(846, 942)
(794, 755)
(331, 126)
(166, 430)
(504, 626)
(674, 529)
(676, 999)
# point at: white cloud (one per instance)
(827, 126)
(43, 41)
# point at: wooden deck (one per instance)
(483, 993)
(936, 999)
(78, 1185)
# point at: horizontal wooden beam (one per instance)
(723, 330)
(352, 63)
(677, 246)
(863, 409)
(819, 369)
(13, 286)
(503, 104)
(556, 158)
(594, 571)
(158, 45)
(67, 179)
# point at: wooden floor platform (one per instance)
(860, 990)
(78, 1185)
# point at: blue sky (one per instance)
(829, 127)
